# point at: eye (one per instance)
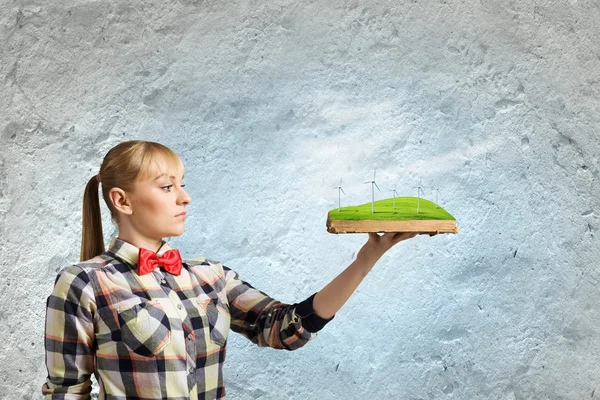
(168, 187)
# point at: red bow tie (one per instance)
(148, 261)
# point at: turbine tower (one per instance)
(437, 192)
(339, 188)
(394, 193)
(373, 184)
(419, 191)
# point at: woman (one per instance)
(148, 324)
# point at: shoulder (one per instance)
(210, 271)
(83, 271)
(203, 265)
(75, 281)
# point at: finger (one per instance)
(403, 236)
(393, 236)
(373, 236)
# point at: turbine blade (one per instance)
(376, 186)
(343, 191)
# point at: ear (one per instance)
(121, 201)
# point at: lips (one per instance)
(181, 213)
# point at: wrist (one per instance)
(364, 263)
(368, 256)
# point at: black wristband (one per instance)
(310, 320)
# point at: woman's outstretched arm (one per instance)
(333, 296)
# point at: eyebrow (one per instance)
(173, 177)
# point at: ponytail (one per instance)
(92, 238)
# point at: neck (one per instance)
(140, 241)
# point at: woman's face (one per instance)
(157, 204)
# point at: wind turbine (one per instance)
(373, 184)
(419, 191)
(437, 191)
(394, 193)
(339, 188)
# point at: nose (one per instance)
(183, 197)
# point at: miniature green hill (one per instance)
(406, 210)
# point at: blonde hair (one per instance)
(122, 166)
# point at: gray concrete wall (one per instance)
(270, 103)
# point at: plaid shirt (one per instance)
(157, 336)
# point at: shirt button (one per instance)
(163, 282)
(179, 306)
(192, 370)
(198, 301)
(190, 336)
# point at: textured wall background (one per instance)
(269, 104)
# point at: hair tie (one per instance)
(98, 177)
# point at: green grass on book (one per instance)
(406, 210)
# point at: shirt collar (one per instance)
(129, 253)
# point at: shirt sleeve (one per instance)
(266, 321)
(69, 336)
